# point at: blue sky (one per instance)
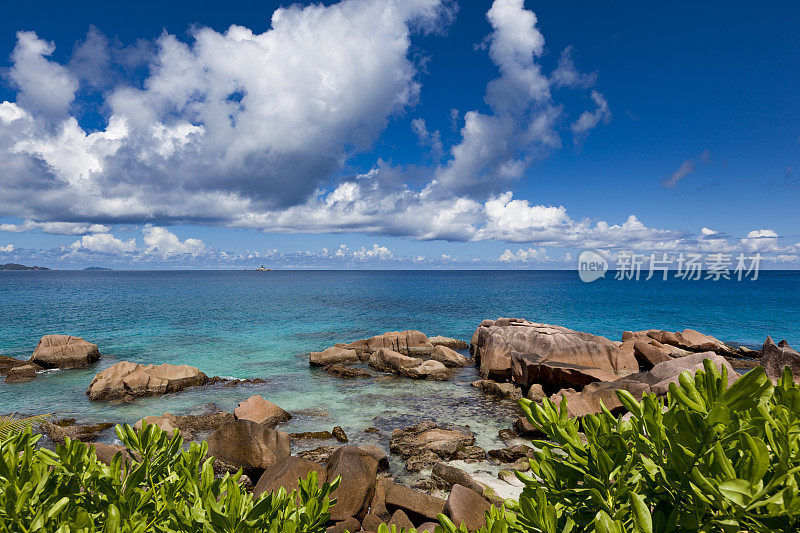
(388, 134)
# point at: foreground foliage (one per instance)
(163, 488)
(717, 459)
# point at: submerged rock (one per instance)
(344, 371)
(59, 430)
(133, 379)
(64, 351)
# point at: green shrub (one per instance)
(717, 459)
(164, 488)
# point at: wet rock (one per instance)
(495, 341)
(418, 506)
(320, 454)
(471, 454)
(333, 355)
(421, 461)
(465, 506)
(287, 474)
(501, 390)
(340, 435)
(343, 371)
(524, 428)
(448, 357)
(511, 454)
(247, 444)
(427, 436)
(775, 358)
(8, 363)
(21, 374)
(64, 351)
(447, 342)
(358, 470)
(311, 435)
(261, 411)
(132, 379)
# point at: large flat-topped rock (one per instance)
(494, 343)
(133, 379)
(64, 351)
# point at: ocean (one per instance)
(248, 324)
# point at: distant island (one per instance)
(17, 266)
(98, 268)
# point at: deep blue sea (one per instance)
(262, 324)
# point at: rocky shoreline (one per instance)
(514, 358)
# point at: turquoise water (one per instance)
(262, 324)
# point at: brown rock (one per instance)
(350, 524)
(536, 393)
(106, 452)
(320, 454)
(378, 505)
(57, 432)
(494, 343)
(418, 506)
(511, 454)
(343, 371)
(20, 374)
(340, 435)
(378, 454)
(333, 355)
(357, 470)
(465, 506)
(371, 522)
(7, 363)
(400, 520)
(445, 476)
(262, 411)
(132, 379)
(649, 352)
(249, 445)
(775, 358)
(427, 436)
(64, 351)
(501, 390)
(448, 356)
(313, 435)
(387, 360)
(447, 342)
(287, 474)
(524, 428)
(427, 527)
(166, 422)
(530, 369)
